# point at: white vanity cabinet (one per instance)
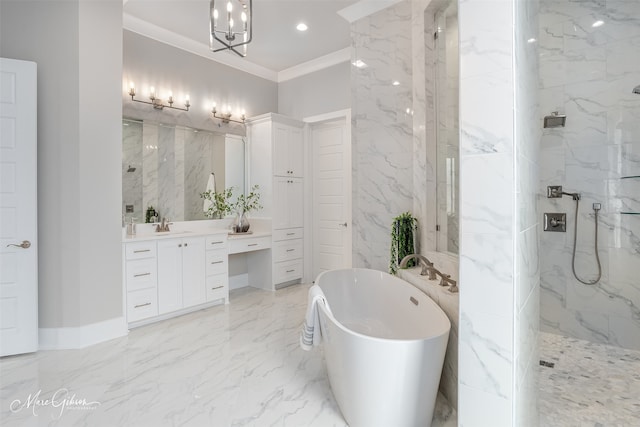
(288, 150)
(140, 269)
(181, 273)
(165, 277)
(217, 269)
(288, 203)
(276, 164)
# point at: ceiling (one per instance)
(277, 46)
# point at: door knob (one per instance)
(24, 245)
(344, 224)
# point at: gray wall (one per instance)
(148, 62)
(320, 92)
(78, 48)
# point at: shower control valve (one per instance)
(555, 222)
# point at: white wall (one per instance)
(316, 93)
(78, 48)
(499, 269)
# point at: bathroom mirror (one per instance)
(168, 166)
(447, 129)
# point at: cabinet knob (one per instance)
(185, 245)
(180, 245)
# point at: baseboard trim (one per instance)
(81, 336)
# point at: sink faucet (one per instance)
(163, 225)
(427, 266)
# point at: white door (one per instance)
(18, 218)
(331, 148)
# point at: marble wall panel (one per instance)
(598, 147)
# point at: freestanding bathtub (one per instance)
(384, 344)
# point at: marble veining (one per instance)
(587, 73)
(226, 366)
(383, 140)
(590, 385)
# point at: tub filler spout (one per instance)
(427, 266)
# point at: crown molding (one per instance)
(317, 64)
(365, 8)
(163, 35)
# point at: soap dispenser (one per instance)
(131, 227)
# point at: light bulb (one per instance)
(244, 17)
(152, 92)
(215, 14)
(229, 7)
(230, 23)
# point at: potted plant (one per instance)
(402, 240)
(219, 204)
(244, 205)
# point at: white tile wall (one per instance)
(588, 73)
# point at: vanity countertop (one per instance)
(142, 237)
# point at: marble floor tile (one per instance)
(590, 385)
(234, 365)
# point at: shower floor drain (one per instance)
(547, 364)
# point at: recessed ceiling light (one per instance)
(359, 64)
(302, 27)
(597, 24)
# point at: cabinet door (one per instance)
(281, 154)
(169, 275)
(295, 203)
(280, 217)
(296, 152)
(193, 271)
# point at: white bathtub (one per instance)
(384, 345)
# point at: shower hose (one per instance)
(575, 239)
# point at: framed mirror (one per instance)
(167, 167)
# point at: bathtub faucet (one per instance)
(446, 280)
(427, 266)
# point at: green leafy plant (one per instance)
(249, 202)
(221, 203)
(402, 240)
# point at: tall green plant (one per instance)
(402, 240)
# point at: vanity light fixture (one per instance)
(225, 34)
(226, 115)
(156, 102)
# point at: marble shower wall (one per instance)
(588, 73)
(499, 271)
(382, 137)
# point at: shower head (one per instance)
(636, 90)
(555, 120)
(131, 169)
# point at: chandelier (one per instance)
(231, 28)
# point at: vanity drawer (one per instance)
(218, 241)
(217, 262)
(286, 271)
(237, 246)
(142, 304)
(218, 287)
(140, 250)
(288, 234)
(287, 250)
(141, 274)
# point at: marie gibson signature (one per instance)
(61, 399)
